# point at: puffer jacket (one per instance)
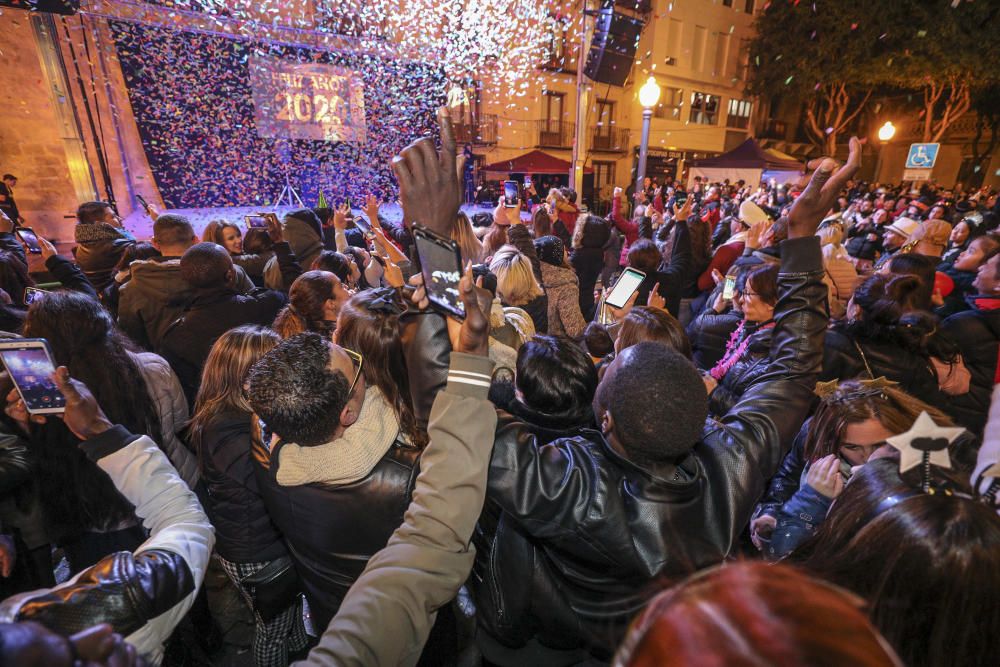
(244, 530)
(562, 288)
(143, 594)
(172, 409)
(98, 259)
(753, 363)
(580, 587)
(332, 531)
(978, 334)
(155, 296)
(709, 333)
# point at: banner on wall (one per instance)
(294, 100)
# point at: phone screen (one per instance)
(680, 198)
(33, 294)
(510, 194)
(256, 221)
(729, 288)
(30, 240)
(31, 369)
(442, 269)
(627, 284)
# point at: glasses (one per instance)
(359, 363)
(747, 293)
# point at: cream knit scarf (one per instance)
(350, 457)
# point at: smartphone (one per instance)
(29, 362)
(626, 286)
(729, 288)
(441, 265)
(680, 198)
(33, 294)
(510, 194)
(145, 204)
(27, 235)
(258, 221)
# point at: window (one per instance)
(553, 110)
(739, 114)
(727, 3)
(604, 179)
(721, 55)
(673, 42)
(698, 51)
(671, 102)
(704, 108)
(557, 42)
(605, 118)
(750, 4)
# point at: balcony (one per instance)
(555, 134)
(609, 139)
(481, 131)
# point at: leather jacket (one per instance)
(978, 334)
(98, 259)
(585, 533)
(332, 531)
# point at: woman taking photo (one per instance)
(84, 512)
(748, 352)
(221, 434)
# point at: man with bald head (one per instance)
(216, 306)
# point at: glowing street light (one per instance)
(885, 134)
(649, 95)
(887, 131)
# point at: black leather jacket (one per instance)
(585, 534)
(978, 334)
(332, 531)
(98, 259)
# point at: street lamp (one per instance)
(885, 135)
(649, 95)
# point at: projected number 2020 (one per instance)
(306, 108)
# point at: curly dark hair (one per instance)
(294, 390)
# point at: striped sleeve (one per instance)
(469, 375)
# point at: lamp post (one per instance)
(885, 135)
(649, 95)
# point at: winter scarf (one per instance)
(91, 232)
(349, 458)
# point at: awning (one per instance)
(535, 162)
(749, 155)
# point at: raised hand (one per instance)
(654, 300)
(340, 217)
(48, 250)
(824, 186)
(824, 476)
(83, 415)
(430, 184)
(274, 230)
(474, 335)
(682, 213)
(371, 211)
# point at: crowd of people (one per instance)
(783, 449)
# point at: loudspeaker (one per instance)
(68, 7)
(612, 50)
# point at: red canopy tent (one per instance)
(535, 162)
(748, 162)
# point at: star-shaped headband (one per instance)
(925, 444)
(871, 387)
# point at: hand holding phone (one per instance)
(256, 221)
(511, 194)
(729, 289)
(29, 239)
(29, 363)
(627, 285)
(441, 266)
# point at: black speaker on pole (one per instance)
(68, 7)
(612, 50)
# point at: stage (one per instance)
(141, 226)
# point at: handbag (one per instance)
(274, 588)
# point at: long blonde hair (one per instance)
(225, 371)
(462, 234)
(516, 283)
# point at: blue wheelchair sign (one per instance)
(922, 156)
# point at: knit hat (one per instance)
(904, 227)
(309, 217)
(550, 250)
(751, 214)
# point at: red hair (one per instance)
(754, 614)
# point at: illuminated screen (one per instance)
(295, 100)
